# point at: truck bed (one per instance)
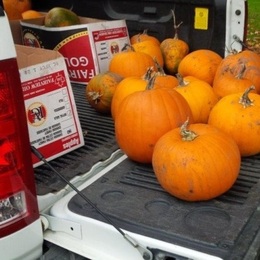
(227, 227)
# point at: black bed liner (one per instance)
(226, 226)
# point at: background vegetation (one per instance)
(253, 33)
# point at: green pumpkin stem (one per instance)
(187, 135)
(245, 101)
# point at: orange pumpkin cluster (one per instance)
(192, 115)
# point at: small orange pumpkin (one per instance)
(201, 64)
(173, 50)
(144, 116)
(150, 48)
(144, 36)
(126, 87)
(238, 115)
(100, 91)
(231, 65)
(197, 163)
(130, 63)
(227, 83)
(199, 95)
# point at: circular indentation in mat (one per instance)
(112, 195)
(207, 219)
(157, 206)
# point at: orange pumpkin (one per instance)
(199, 95)
(231, 65)
(239, 116)
(196, 163)
(144, 36)
(150, 48)
(100, 91)
(173, 50)
(226, 83)
(15, 8)
(126, 87)
(164, 80)
(131, 63)
(201, 64)
(144, 116)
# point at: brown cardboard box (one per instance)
(53, 122)
(87, 48)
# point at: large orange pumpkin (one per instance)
(201, 64)
(239, 116)
(100, 91)
(196, 163)
(144, 116)
(131, 63)
(199, 95)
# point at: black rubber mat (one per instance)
(100, 143)
(226, 226)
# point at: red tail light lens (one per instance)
(18, 201)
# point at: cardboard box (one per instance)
(53, 122)
(87, 48)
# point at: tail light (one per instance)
(18, 201)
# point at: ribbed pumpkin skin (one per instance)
(201, 64)
(144, 116)
(242, 123)
(196, 170)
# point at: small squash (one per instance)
(144, 116)
(201, 64)
(239, 116)
(197, 163)
(173, 50)
(100, 91)
(199, 95)
(129, 62)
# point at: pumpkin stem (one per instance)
(182, 82)
(95, 96)
(175, 26)
(127, 47)
(187, 135)
(148, 74)
(244, 100)
(241, 72)
(159, 68)
(151, 81)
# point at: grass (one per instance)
(253, 35)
